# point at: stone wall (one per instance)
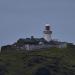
(33, 47)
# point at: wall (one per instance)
(33, 47)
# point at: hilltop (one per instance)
(38, 56)
(53, 61)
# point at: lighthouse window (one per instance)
(47, 27)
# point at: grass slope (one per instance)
(54, 60)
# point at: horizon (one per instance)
(25, 18)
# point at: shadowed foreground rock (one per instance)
(42, 71)
(2, 69)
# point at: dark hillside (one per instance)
(53, 61)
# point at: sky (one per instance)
(24, 18)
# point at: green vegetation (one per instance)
(53, 61)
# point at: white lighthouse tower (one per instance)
(47, 33)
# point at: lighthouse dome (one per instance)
(47, 24)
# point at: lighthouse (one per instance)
(47, 33)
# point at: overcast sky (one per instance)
(23, 18)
